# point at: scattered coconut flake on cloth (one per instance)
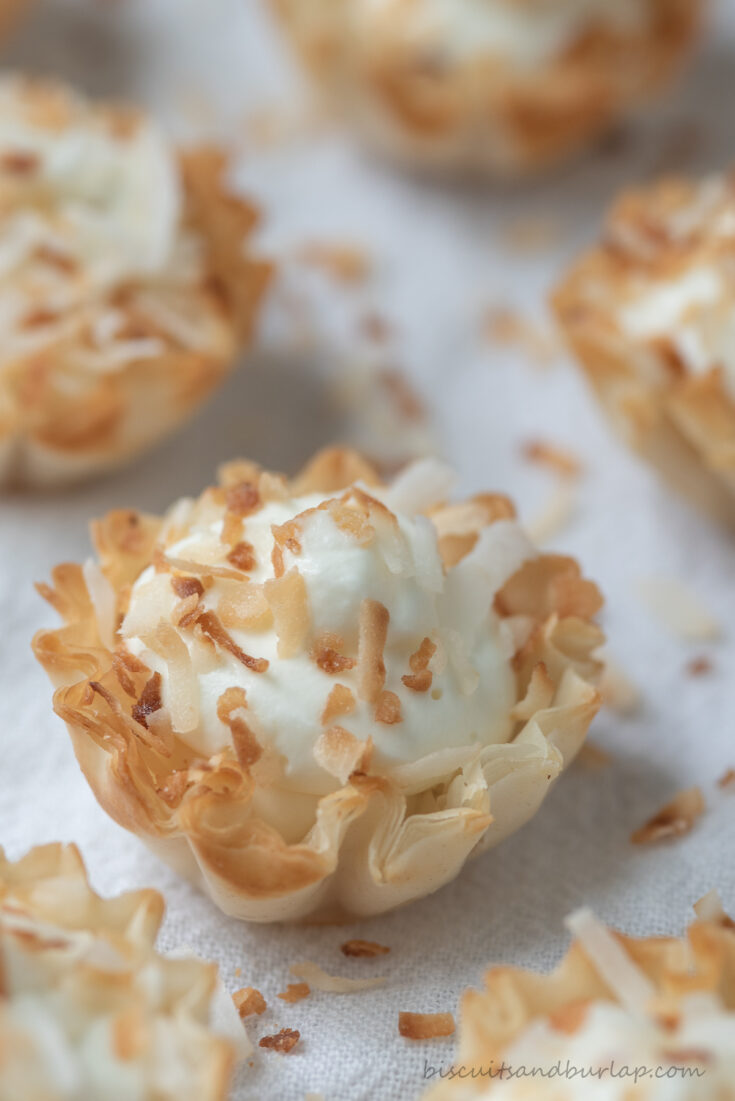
(674, 819)
(318, 979)
(678, 609)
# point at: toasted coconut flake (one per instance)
(284, 1041)
(149, 701)
(420, 487)
(242, 556)
(346, 263)
(242, 499)
(212, 627)
(288, 601)
(418, 682)
(558, 459)
(425, 1026)
(674, 819)
(363, 949)
(505, 326)
(373, 633)
(247, 747)
(295, 992)
(679, 609)
(630, 984)
(326, 652)
(340, 753)
(340, 701)
(249, 1001)
(699, 667)
(122, 673)
(388, 709)
(710, 908)
(187, 586)
(555, 515)
(245, 607)
(318, 979)
(182, 696)
(617, 689)
(727, 780)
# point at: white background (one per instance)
(440, 255)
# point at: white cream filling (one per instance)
(692, 312)
(608, 1034)
(473, 686)
(524, 33)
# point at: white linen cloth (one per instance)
(442, 254)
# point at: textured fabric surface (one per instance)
(442, 254)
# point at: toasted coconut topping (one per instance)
(341, 753)
(318, 979)
(325, 652)
(339, 702)
(675, 819)
(242, 556)
(289, 602)
(80, 974)
(425, 1026)
(150, 700)
(388, 709)
(727, 779)
(364, 949)
(295, 992)
(374, 619)
(284, 1041)
(249, 1001)
(631, 986)
(352, 671)
(213, 629)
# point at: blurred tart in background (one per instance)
(319, 697)
(503, 86)
(620, 1019)
(126, 289)
(650, 315)
(88, 1008)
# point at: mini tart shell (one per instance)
(494, 1018)
(49, 892)
(683, 425)
(51, 433)
(481, 115)
(373, 845)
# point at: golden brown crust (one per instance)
(201, 814)
(483, 112)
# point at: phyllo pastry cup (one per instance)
(319, 697)
(650, 315)
(620, 1019)
(88, 1009)
(501, 86)
(127, 291)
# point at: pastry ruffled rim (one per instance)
(445, 116)
(47, 893)
(196, 811)
(684, 425)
